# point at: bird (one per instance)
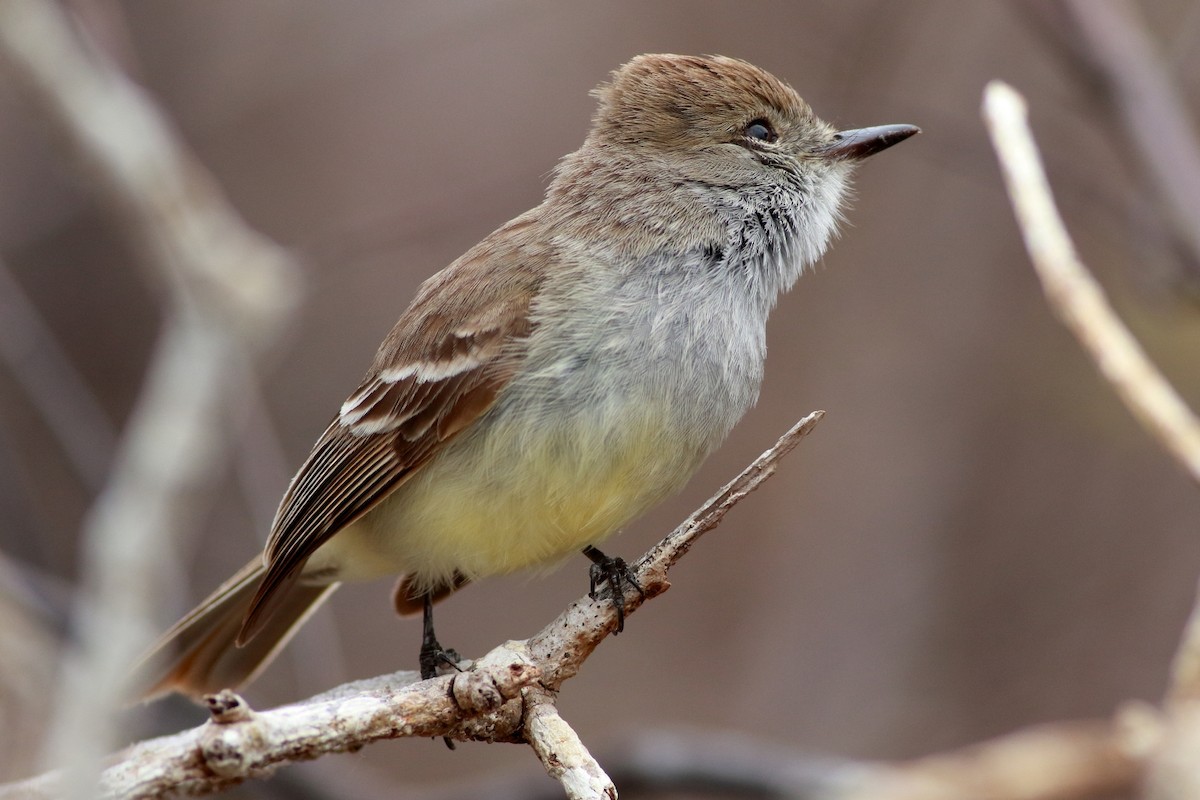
(568, 372)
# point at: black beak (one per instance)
(858, 144)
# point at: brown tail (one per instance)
(197, 656)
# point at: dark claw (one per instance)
(617, 574)
(433, 657)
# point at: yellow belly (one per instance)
(506, 501)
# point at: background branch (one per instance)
(1074, 294)
(228, 291)
(1171, 770)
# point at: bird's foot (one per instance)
(617, 574)
(434, 658)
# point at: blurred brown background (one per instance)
(978, 537)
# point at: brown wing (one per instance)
(440, 368)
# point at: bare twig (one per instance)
(586, 622)
(1079, 301)
(667, 553)
(1170, 764)
(229, 290)
(561, 752)
(1075, 295)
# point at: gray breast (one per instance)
(684, 331)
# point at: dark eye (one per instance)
(761, 130)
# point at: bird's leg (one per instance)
(433, 655)
(616, 573)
